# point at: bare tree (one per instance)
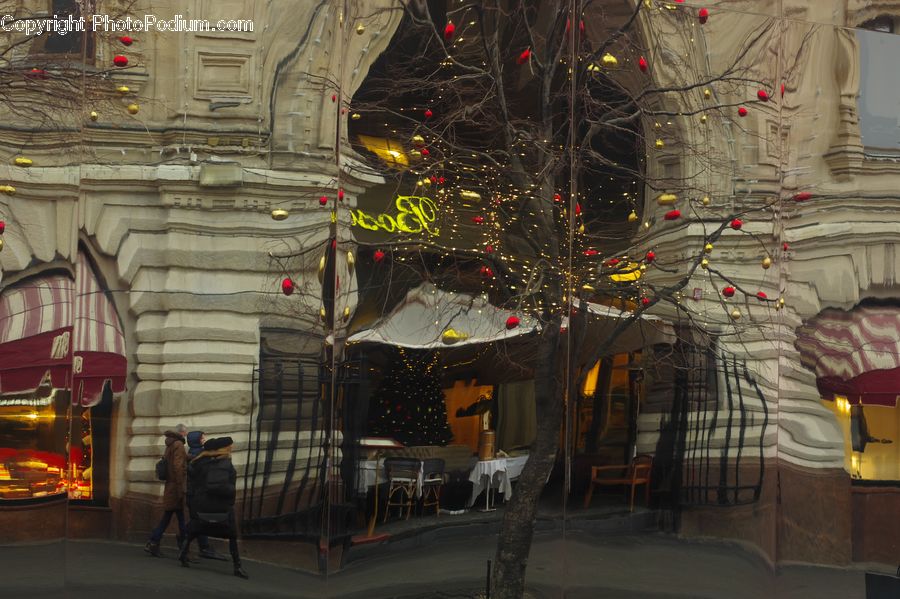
(543, 131)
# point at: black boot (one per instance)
(183, 557)
(152, 548)
(238, 570)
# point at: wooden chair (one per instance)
(433, 473)
(402, 475)
(634, 474)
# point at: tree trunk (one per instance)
(517, 528)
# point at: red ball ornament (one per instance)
(703, 16)
(477, 219)
(642, 64)
(728, 291)
(557, 198)
(36, 74)
(802, 196)
(512, 322)
(2, 227)
(433, 179)
(120, 61)
(591, 252)
(449, 30)
(762, 95)
(736, 224)
(645, 301)
(612, 261)
(341, 194)
(489, 249)
(287, 286)
(126, 40)
(440, 180)
(742, 111)
(650, 257)
(425, 152)
(672, 215)
(782, 90)
(486, 272)
(784, 246)
(428, 113)
(323, 200)
(524, 56)
(761, 296)
(334, 243)
(577, 209)
(378, 256)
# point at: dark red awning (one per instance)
(26, 363)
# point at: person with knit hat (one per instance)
(212, 480)
(195, 441)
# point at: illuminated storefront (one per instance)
(61, 358)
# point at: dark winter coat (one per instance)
(194, 444)
(205, 504)
(176, 477)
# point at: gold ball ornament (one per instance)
(23, 162)
(451, 336)
(7, 189)
(767, 262)
(707, 93)
(279, 214)
(346, 315)
(708, 248)
(133, 108)
(609, 60)
(581, 228)
(1, 245)
(705, 201)
(95, 115)
(322, 313)
(781, 302)
(355, 116)
(702, 118)
(666, 199)
(588, 288)
(660, 144)
(657, 125)
(632, 216)
(351, 261)
(418, 141)
(360, 29)
(123, 89)
(321, 271)
(735, 314)
(704, 264)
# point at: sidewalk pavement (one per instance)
(577, 566)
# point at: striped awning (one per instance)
(854, 353)
(52, 331)
(99, 341)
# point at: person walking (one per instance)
(195, 441)
(213, 487)
(173, 494)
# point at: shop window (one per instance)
(879, 86)
(33, 443)
(71, 44)
(606, 414)
(870, 432)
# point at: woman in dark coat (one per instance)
(176, 485)
(213, 486)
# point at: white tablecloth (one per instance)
(515, 465)
(494, 471)
(366, 476)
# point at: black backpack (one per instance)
(219, 485)
(162, 469)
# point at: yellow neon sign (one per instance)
(415, 214)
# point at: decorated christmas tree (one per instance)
(409, 404)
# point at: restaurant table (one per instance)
(495, 472)
(366, 476)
